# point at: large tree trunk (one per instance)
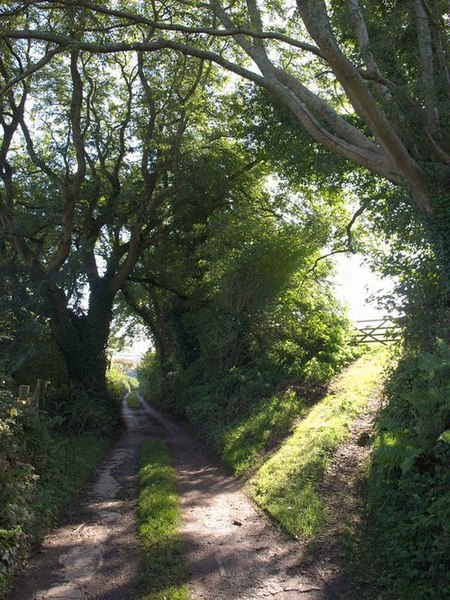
(82, 338)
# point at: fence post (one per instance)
(24, 392)
(37, 395)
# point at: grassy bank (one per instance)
(159, 518)
(287, 485)
(71, 462)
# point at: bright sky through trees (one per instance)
(356, 283)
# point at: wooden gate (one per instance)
(380, 331)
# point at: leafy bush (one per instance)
(150, 378)
(40, 469)
(119, 383)
(409, 481)
(79, 410)
(17, 484)
(240, 316)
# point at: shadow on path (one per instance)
(96, 553)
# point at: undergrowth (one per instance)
(71, 462)
(120, 383)
(406, 552)
(40, 472)
(159, 519)
(287, 486)
(44, 461)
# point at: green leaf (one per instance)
(445, 437)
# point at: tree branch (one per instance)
(32, 69)
(163, 286)
(315, 16)
(183, 29)
(349, 247)
(426, 69)
(437, 30)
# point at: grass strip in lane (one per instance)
(159, 519)
(287, 486)
(133, 401)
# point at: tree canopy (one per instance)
(367, 80)
(91, 155)
(380, 101)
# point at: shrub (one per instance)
(80, 410)
(409, 481)
(17, 484)
(119, 383)
(40, 469)
(150, 378)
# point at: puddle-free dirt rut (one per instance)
(96, 554)
(232, 551)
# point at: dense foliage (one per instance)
(409, 480)
(247, 317)
(117, 175)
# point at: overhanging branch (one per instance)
(349, 248)
(163, 286)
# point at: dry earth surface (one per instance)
(342, 492)
(233, 552)
(95, 553)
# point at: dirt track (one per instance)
(232, 551)
(95, 554)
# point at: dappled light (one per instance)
(193, 197)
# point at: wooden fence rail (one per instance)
(381, 331)
(37, 398)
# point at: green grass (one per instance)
(245, 444)
(159, 519)
(287, 486)
(133, 401)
